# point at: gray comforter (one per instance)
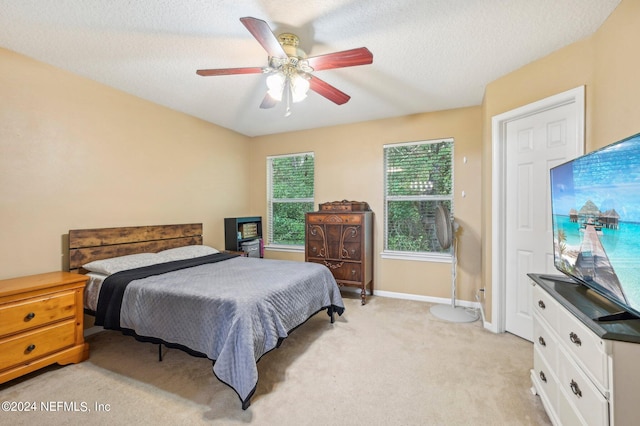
(233, 311)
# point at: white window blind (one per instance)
(290, 181)
(418, 176)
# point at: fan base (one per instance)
(454, 313)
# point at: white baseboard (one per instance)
(430, 299)
(408, 296)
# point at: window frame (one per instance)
(269, 244)
(411, 255)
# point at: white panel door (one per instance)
(534, 144)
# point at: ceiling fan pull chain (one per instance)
(288, 95)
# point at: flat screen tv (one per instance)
(595, 203)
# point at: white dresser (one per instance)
(586, 372)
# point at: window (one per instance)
(418, 176)
(290, 195)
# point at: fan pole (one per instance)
(454, 263)
(454, 313)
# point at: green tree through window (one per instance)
(290, 190)
(418, 176)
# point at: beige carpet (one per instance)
(389, 362)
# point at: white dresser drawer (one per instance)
(545, 341)
(545, 305)
(585, 402)
(588, 349)
(545, 382)
(567, 414)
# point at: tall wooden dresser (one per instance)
(340, 236)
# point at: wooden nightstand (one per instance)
(41, 322)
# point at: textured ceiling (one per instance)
(429, 55)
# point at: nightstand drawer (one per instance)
(31, 313)
(25, 347)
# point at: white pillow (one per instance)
(121, 263)
(186, 252)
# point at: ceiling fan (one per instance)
(290, 71)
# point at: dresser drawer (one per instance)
(588, 349)
(583, 400)
(28, 346)
(345, 271)
(342, 271)
(545, 380)
(335, 218)
(545, 306)
(316, 248)
(545, 342)
(31, 313)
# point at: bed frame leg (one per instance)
(160, 352)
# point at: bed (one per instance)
(161, 285)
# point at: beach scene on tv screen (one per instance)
(596, 220)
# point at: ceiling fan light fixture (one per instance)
(275, 83)
(289, 70)
(298, 85)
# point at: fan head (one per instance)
(444, 227)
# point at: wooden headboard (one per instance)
(86, 245)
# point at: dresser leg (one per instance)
(363, 295)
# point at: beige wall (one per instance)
(606, 63)
(76, 154)
(349, 165)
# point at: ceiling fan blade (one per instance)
(346, 58)
(261, 31)
(268, 102)
(228, 71)
(328, 91)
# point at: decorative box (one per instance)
(344, 206)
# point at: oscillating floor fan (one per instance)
(446, 234)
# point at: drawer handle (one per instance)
(542, 342)
(541, 304)
(543, 377)
(30, 348)
(575, 339)
(575, 389)
(333, 265)
(353, 272)
(30, 316)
